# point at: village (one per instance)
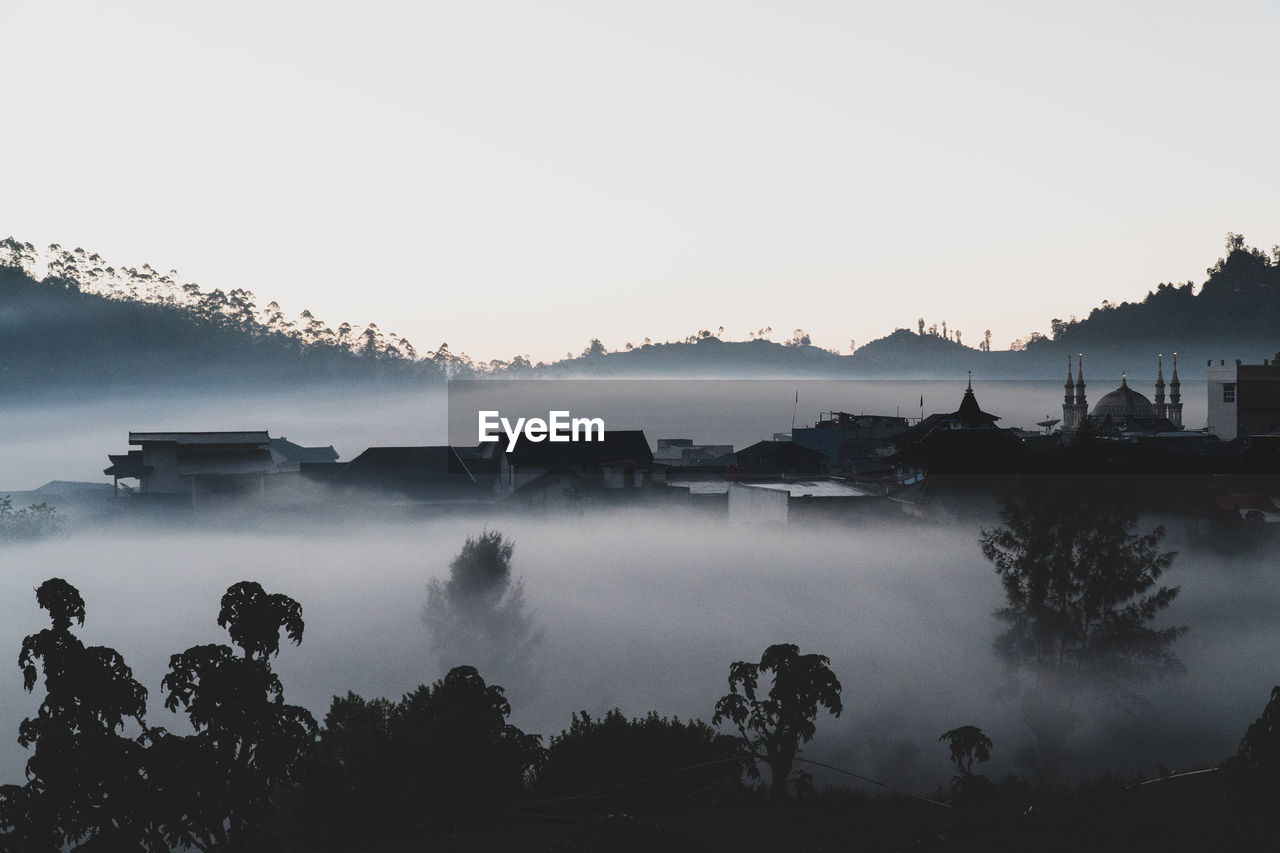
(845, 466)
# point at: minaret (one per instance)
(1080, 401)
(1161, 410)
(1175, 396)
(1069, 401)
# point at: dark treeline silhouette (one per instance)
(259, 774)
(87, 321)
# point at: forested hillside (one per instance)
(70, 320)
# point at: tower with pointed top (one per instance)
(1174, 412)
(1162, 410)
(1074, 408)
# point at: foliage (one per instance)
(478, 615)
(967, 744)
(649, 758)
(1082, 591)
(36, 521)
(774, 726)
(443, 754)
(86, 785)
(217, 784)
(1254, 771)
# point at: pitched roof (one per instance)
(405, 465)
(288, 451)
(253, 437)
(619, 445)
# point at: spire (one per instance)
(1080, 401)
(1175, 386)
(1070, 397)
(970, 380)
(1124, 379)
(1159, 380)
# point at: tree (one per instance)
(1254, 771)
(32, 522)
(85, 780)
(773, 727)
(968, 744)
(1082, 593)
(649, 758)
(216, 786)
(478, 615)
(443, 753)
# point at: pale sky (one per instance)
(518, 177)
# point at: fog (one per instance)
(640, 610)
(70, 439)
(646, 610)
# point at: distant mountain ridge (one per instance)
(84, 323)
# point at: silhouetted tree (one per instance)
(478, 615)
(86, 785)
(799, 338)
(1254, 771)
(441, 756)
(1082, 593)
(635, 761)
(968, 744)
(774, 726)
(216, 786)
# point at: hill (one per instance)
(85, 324)
(56, 338)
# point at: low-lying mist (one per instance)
(646, 610)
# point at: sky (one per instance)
(518, 178)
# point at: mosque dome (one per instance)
(1123, 402)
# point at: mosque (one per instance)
(1124, 410)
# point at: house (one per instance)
(1244, 399)
(622, 460)
(204, 467)
(779, 459)
(425, 474)
(852, 444)
(193, 464)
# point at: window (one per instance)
(1229, 392)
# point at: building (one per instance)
(852, 444)
(622, 460)
(200, 467)
(1244, 399)
(1124, 410)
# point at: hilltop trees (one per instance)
(774, 726)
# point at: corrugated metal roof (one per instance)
(701, 487)
(796, 488)
(813, 489)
